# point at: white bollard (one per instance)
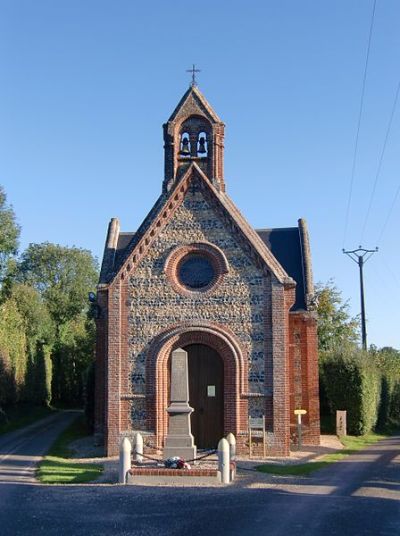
(224, 460)
(138, 447)
(232, 445)
(125, 452)
(232, 454)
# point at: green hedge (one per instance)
(351, 382)
(13, 355)
(25, 366)
(365, 384)
(388, 362)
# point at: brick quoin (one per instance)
(253, 313)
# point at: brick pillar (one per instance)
(113, 369)
(311, 343)
(100, 370)
(280, 352)
(125, 384)
(304, 374)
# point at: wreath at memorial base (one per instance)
(176, 463)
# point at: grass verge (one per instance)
(58, 468)
(23, 415)
(352, 444)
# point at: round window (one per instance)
(196, 271)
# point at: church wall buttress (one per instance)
(100, 366)
(304, 380)
(113, 415)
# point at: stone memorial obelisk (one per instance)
(179, 440)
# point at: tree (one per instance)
(40, 337)
(63, 277)
(37, 321)
(13, 355)
(9, 234)
(335, 326)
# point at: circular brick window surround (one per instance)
(195, 269)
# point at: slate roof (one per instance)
(124, 240)
(285, 244)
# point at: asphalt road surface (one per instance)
(359, 496)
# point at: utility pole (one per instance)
(360, 256)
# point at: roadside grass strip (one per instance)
(23, 415)
(58, 467)
(352, 444)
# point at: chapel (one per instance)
(196, 276)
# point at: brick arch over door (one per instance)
(235, 374)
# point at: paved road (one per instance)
(359, 496)
(22, 449)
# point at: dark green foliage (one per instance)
(72, 354)
(7, 383)
(365, 384)
(351, 383)
(38, 376)
(13, 353)
(89, 396)
(388, 362)
(38, 324)
(62, 277)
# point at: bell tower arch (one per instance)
(194, 133)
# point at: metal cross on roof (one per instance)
(193, 70)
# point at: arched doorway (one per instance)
(235, 374)
(206, 394)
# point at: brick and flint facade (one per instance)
(256, 311)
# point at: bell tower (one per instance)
(194, 133)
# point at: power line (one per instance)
(396, 195)
(378, 171)
(353, 169)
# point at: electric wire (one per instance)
(378, 171)
(353, 169)
(389, 214)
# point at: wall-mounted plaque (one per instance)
(210, 390)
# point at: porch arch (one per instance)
(228, 347)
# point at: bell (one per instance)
(185, 149)
(202, 145)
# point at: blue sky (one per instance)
(86, 85)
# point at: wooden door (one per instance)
(206, 395)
